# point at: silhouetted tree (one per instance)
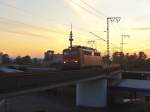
(23, 60)
(26, 60)
(118, 57)
(141, 60)
(131, 61)
(142, 55)
(18, 60)
(5, 59)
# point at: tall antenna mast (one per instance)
(71, 37)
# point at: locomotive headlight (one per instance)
(76, 61)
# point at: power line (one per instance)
(14, 22)
(94, 9)
(33, 14)
(5, 20)
(10, 21)
(28, 25)
(23, 10)
(101, 38)
(85, 9)
(97, 11)
(112, 19)
(98, 36)
(39, 16)
(23, 33)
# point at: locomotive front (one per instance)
(81, 57)
(71, 58)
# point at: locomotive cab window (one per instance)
(74, 52)
(70, 52)
(87, 53)
(66, 53)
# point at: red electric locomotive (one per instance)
(80, 57)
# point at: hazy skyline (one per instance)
(32, 27)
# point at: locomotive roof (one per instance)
(83, 47)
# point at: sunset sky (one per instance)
(30, 27)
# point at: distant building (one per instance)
(50, 57)
(58, 58)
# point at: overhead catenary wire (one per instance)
(85, 9)
(114, 18)
(94, 9)
(100, 13)
(23, 33)
(39, 16)
(29, 12)
(28, 25)
(101, 38)
(97, 13)
(14, 22)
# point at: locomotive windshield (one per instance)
(70, 52)
(66, 53)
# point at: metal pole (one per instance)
(122, 42)
(116, 19)
(108, 40)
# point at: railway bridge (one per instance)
(91, 84)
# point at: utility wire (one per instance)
(24, 11)
(33, 14)
(101, 38)
(94, 9)
(37, 15)
(98, 12)
(10, 21)
(14, 22)
(23, 33)
(85, 9)
(4, 21)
